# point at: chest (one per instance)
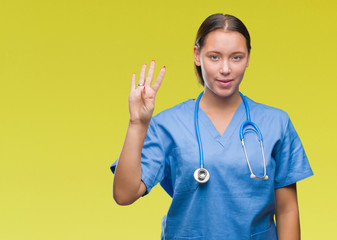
(220, 121)
(225, 159)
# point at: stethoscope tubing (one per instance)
(199, 173)
(197, 132)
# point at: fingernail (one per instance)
(164, 67)
(153, 61)
(144, 89)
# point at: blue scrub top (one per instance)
(230, 205)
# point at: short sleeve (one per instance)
(153, 158)
(292, 164)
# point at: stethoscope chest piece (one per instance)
(201, 175)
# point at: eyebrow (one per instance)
(237, 52)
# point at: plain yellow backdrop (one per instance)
(65, 69)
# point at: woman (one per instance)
(244, 186)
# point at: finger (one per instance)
(159, 79)
(143, 92)
(133, 81)
(150, 74)
(142, 75)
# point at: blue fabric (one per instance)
(230, 205)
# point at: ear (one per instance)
(196, 55)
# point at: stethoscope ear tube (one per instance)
(252, 175)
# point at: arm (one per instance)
(127, 184)
(287, 215)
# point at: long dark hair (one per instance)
(218, 21)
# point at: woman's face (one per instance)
(223, 60)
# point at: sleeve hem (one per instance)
(113, 166)
(294, 179)
(147, 184)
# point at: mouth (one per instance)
(224, 82)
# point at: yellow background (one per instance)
(65, 68)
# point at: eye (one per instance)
(237, 58)
(214, 57)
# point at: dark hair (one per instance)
(218, 21)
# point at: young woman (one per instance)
(230, 164)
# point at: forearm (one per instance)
(287, 214)
(127, 185)
(288, 225)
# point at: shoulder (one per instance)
(172, 124)
(272, 120)
(266, 111)
(180, 111)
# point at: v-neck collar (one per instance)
(232, 128)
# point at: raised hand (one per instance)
(142, 96)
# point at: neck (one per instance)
(214, 103)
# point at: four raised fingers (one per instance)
(148, 81)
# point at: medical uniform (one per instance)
(230, 205)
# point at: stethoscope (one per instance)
(201, 175)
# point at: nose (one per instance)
(225, 68)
